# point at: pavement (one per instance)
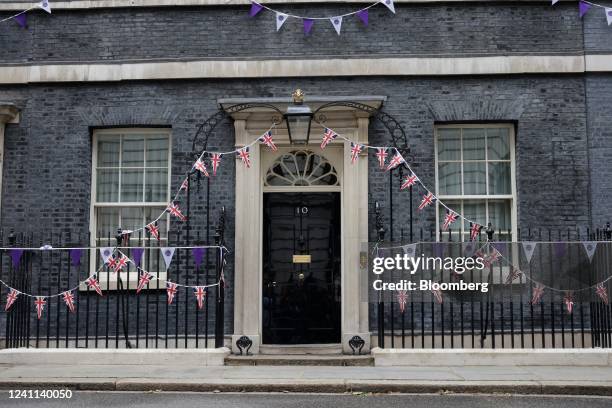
(86, 399)
(569, 380)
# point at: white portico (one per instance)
(351, 186)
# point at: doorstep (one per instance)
(299, 360)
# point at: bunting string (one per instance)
(299, 17)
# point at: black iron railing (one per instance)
(120, 318)
(504, 317)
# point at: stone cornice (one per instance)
(277, 68)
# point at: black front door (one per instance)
(301, 268)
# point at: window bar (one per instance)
(501, 302)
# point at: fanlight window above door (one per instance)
(301, 168)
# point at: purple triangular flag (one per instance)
(584, 8)
(560, 248)
(255, 9)
(438, 248)
(501, 247)
(16, 256)
(364, 16)
(308, 23)
(22, 20)
(137, 255)
(75, 256)
(198, 254)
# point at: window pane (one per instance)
(449, 144)
(133, 151)
(108, 222)
(474, 178)
(157, 151)
(132, 185)
(449, 175)
(499, 178)
(107, 186)
(475, 211)
(132, 218)
(108, 151)
(499, 215)
(156, 187)
(498, 142)
(473, 144)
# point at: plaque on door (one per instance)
(301, 259)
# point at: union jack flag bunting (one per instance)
(513, 275)
(11, 298)
(69, 300)
(328, 136)
(402, 299)
(569, 302)
(449, 219)
(493, 257)
(475, 231)
(537, 293)
(266, 139)
(153, 230)
(185, 184)
(437, 293)
(171, 291)
(121, 263)
(40, 303)
(381, 155)
(409, 182)
(93, 283)
(215, 161)
(427, 200)
(201, 167)
(200, 293)
(174, 209)
(355, 150)
(395, 161)
(145, 278)
(602, 292)
(244, 156)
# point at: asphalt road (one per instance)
(165, 400)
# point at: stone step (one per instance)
(301, 349)
(298, 360)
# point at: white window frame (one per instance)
(109, 281)
(483, 197)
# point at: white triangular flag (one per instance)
(106, 253)
(410, 250)
(609, 15)
(45, 5)
(280, 20)
(167, 253)
(337, 23)
(590, 247)
(554, 2)
(529, 248)
(389, 4)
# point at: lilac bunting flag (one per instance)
(337, 23)
(22, 20)
(75, 256)
(280, 20)
(255, 9)
(560, 248)
(198, 254)
(45, 5)
(438, 248)
(389, 4)
(364, 16)
(137, 255)
(16, 256)
(308, 23)
(584, 8)
(609, 15)
(501, 247)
